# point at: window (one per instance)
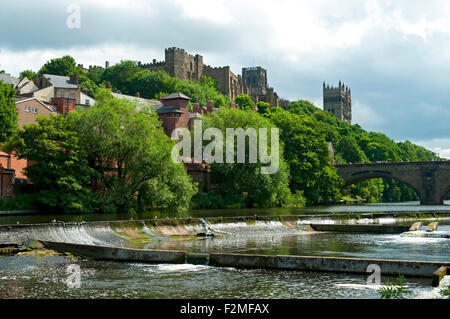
(87, 102)
(35, 110)
(72, 95)
(62, 94)
(27, 109)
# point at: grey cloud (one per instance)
(404, 79)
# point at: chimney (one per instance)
(85, 91)
(159, 97)
(196, 107)
(210, 106)
(74, 78)
(109, 86)
(138, 94)
(106, 64)
(232, 105)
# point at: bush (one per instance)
(394, 290)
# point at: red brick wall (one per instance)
(6, 183)
(13, 163)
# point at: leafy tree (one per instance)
(60, 66)
(8, 112)
(242, 184)
(306, 152)
(210, 82)
(119, 75)
(131, 155)
(245, 102)
(27, 74)
(109, 158)
(86, 83)
(350, 151)
(61, 173)
(263, 108)
(95, 74)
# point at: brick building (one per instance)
(7, 178)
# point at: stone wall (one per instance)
(338, 101)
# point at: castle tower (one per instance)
(338, 101)
(256, 80)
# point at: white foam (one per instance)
(181, 267)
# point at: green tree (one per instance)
(27, 74)
(245, 102)
(8, 112)
(263, 108)
(60, 66)
(132, 157)
(109, 158)
(350, 151)
(242, 184)
(306, 152)
(61, 173)
(119, 75)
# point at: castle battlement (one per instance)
(338, 101)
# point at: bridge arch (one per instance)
(429, 180)
(369, 176)
(445, 194)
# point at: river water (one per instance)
(310, 210)
(44, 277)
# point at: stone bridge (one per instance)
(430, 180)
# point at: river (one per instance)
(31, 276)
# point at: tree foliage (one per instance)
(245, 102)
(306, 152)
(242, 184)
(109, 158)
(30, 74)
(59, 66)
(354, 145)
(8, 112)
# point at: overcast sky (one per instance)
(394, 55)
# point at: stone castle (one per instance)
(179, 64)
(338, 101)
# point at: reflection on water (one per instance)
(126, 280)
(328, 209)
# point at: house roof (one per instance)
(9, 79)
(84, 97)
(26, 99)
(168, 109)
(61, 82)
(156, 104)
(176, 95)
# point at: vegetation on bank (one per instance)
(110, 158)
(115, 157)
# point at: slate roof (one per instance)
(156, 104)
(168, 109)
(8, 79)
(61, 82)
(176, 95)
